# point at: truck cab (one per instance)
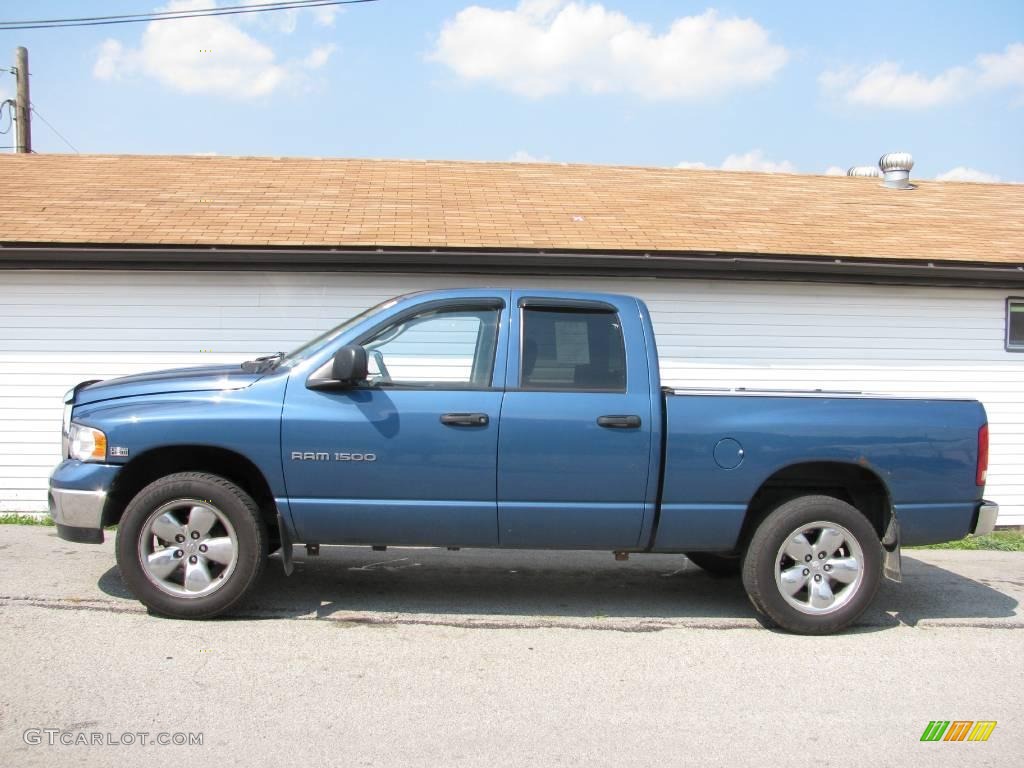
(513, 418)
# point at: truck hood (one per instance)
(203, 378)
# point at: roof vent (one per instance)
(864, 170)
(896, 170)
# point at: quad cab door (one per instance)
(576, 445)
(409, 457)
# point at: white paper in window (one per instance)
(571, 344)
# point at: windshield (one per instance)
(300, 354)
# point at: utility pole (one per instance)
(23, 140)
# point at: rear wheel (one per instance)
(813, 565)
(720, 566)
(191, 545)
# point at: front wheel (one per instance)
(813, 565)
(190, 545)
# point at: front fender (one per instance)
(245, 421)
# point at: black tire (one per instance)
(719, 566)
(240, 511)
(764, 555)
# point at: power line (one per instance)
(93, 21)
(254, 6)
(36, 111)
(9, 103)
(150, 14)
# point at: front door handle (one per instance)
(465, 419)
(619, 422)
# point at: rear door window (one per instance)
(569, 349)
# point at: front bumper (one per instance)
(78, 514)
(988, 511)
(78, 495)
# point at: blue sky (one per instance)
(803, 86)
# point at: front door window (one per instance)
(437, 348)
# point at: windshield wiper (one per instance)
(261, 364)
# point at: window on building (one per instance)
(1015, 325)
(448, 346)
(573, 350)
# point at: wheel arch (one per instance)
(165, 460)
(854, 483)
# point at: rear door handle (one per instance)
(465, 419)
(619, 422)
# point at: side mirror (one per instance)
(349, 364)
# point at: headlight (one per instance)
(86, 444)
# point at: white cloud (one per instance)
(522, 156)
(209, 55)
(1001, 70)
(836, 79)
(754, 160)
(887, 85)
(963, 173)
(286, 21)
(835, 170)
(325, 15)
(318, 56)
(548, 46)
(110, 62)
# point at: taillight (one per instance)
(982, 455)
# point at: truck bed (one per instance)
(723, 445)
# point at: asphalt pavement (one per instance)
(424, 657)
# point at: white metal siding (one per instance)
(58, 328)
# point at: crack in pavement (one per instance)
(63, 604)
(604, 625)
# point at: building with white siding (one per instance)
(115, 265)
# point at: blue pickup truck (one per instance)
(516, 419)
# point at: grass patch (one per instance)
(14, 518)
(1002, 541)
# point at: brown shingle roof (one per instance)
(258, 201)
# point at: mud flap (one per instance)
(286, 545)
(892, 563)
